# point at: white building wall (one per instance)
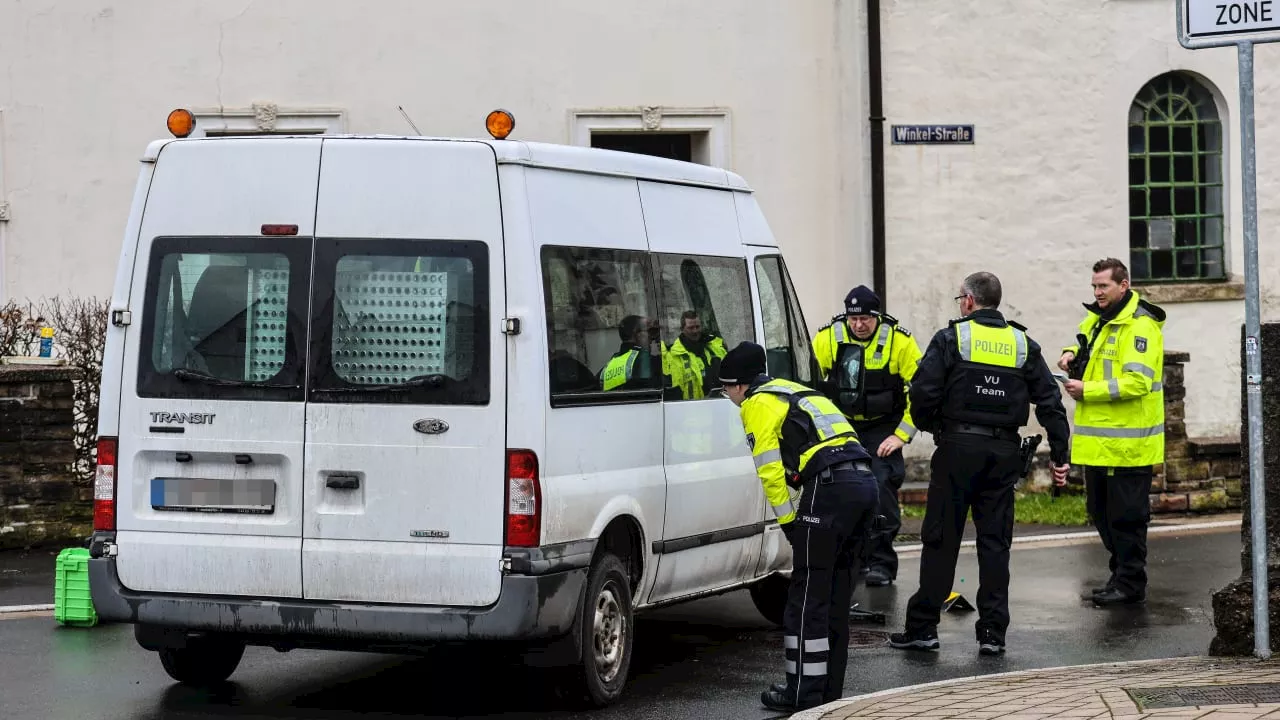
(1042, 193)
(85, 85)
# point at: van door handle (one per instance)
(343, 482)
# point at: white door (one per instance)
(713, 529)
(209, 490)
(405, 449)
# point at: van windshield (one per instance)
(223, 319)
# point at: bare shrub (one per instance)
(80, 331)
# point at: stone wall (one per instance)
(1233, 604)
(40, 502)
(1199, 474)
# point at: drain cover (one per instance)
(867, 638)
(1198, 695)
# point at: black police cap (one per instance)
(861, 300)
(742, 364)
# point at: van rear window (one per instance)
(224, 319)
(401, 321)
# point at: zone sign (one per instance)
(1214, 18)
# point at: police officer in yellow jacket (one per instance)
(973, 391)
(693, 358)
(881, 413)
(634, 366)
(798, 438)
(1116, 369)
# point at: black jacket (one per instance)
(929, 385)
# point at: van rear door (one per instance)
(406, 426)
(209, 484)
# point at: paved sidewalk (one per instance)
(1181, 689)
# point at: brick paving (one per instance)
(1093, 692)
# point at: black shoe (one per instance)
(780, 688)
(878, 577)
(915, 640)
(990, 644)
(1116, 596)
(783, 702)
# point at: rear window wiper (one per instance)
(432, 381)
(193, 376)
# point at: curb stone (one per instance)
(821, 711)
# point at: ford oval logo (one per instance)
(431, 426)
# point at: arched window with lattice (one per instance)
(1175, 182)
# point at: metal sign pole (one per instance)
(1265, 29)
(1253, 359)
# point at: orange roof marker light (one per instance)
(500, 123)
(181, 122)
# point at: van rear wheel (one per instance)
(770, 597)
(605, 625)
(204, 661)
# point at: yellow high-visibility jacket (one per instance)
(1120, 420)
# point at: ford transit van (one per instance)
(377, 393)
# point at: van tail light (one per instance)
(104, 486)
(524, 499)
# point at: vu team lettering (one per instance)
(990, 380)
(1244, 12)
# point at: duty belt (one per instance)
(829, 471)
(999, 433)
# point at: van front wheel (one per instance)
(605, 626)
(204, 661)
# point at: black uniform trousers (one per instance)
(826, 538)
(978, 473)
(1118, 503)
(890, 473)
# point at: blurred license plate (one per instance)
(214, 495)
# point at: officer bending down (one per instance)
(972, 391)
(798, 437)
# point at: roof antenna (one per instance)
(406, 119)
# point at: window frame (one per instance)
(152, 384)
(728, 260)
(1197, 110)
(594, 398)
(794, 324)
(326, 386)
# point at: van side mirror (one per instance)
(848, 374)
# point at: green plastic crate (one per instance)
(72, 600)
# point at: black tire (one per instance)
(770, 597)
(203, 662)
(606, 628)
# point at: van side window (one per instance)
(786, 341)
(401, 321)
(224, 319)
(602, 325)
(706, 311)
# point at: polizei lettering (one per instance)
(166, 418)
(1238, 13)
(993, 347)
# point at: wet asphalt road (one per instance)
(708, 659)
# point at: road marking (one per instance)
(26, 615)
(1075, 538)
(24, 608)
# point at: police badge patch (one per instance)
(1140, 343)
